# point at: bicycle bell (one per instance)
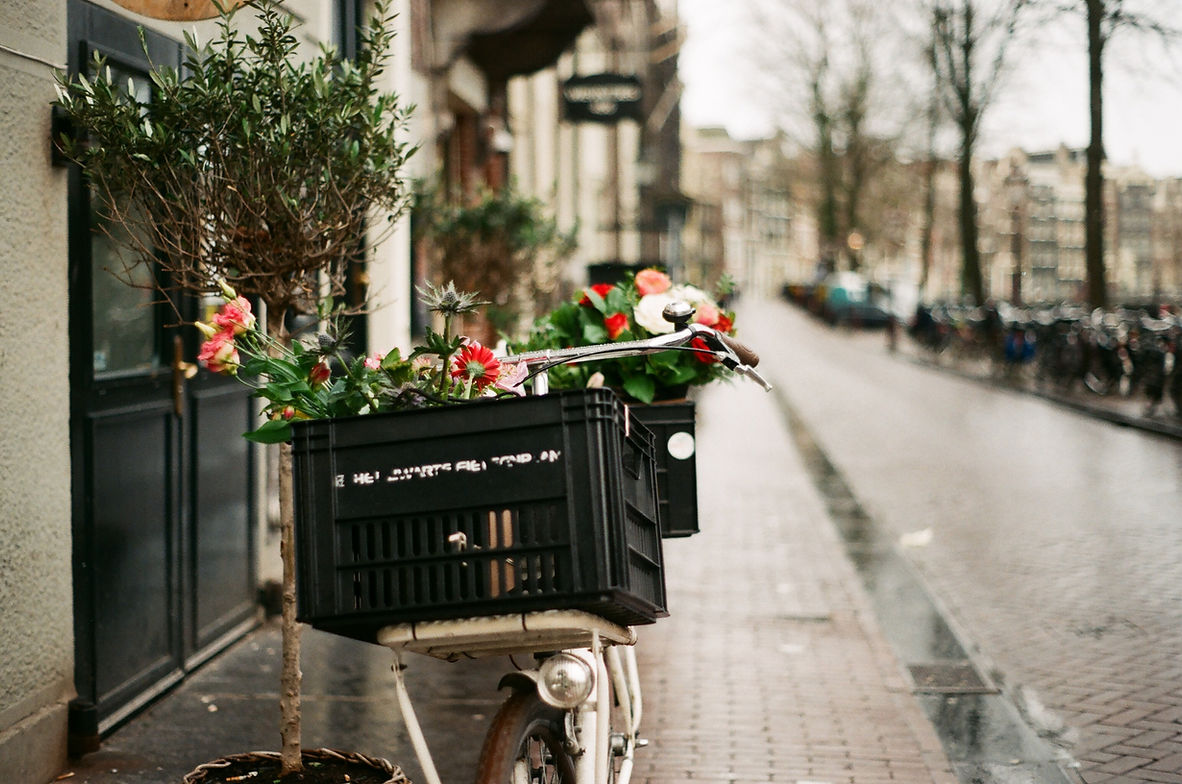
(678, 313)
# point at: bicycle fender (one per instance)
(519, 680)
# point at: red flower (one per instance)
(706, 359)
(725, 323)
(599, 288)
(320, 373)
(477, 364)
(615, 323)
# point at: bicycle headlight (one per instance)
(565, 680)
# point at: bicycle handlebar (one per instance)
(732, 353)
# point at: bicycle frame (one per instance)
(603, 645)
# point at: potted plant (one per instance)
(658, 383)
(500, 243)
(253, 171)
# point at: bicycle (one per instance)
(576, 717)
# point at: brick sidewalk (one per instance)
(771, 667)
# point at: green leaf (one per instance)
(273, 431)
(597, 301)
(594, 333)
(618, 301)
(643, 388)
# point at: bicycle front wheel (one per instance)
(524, 745)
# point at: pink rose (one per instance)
(235, 316)
(707, 314)
(219, 354)
(651, 281)
(374, 361)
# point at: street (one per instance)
(1051, 539)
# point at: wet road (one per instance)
(1052, 540)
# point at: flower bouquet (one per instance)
(632, 310)
(316, 379)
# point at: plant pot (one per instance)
(321, 766)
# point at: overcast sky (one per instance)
(1044, 102)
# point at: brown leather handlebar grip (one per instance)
(745, 354)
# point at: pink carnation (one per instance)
(707, 314)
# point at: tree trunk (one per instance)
(290, 676)
(1094, 179)
(971, 282)
(926, 241)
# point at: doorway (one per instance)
(163, 493)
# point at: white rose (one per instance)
(648, 313)
(691, 294)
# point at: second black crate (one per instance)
(675, 448)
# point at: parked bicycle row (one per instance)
(1129, 353)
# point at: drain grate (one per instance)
(952, 677)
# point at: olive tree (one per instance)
(253, 167)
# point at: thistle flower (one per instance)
(448, 301)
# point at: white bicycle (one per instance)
(576, 717)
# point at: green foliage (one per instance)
(253, 164)
(316, 378)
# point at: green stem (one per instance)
(443, 372)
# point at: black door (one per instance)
(163, 518)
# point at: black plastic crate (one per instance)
(493, 507)
(675, 447)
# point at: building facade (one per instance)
(133, 509)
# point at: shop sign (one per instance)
(603, 98)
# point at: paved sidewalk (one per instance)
(771, 667)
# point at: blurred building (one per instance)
(744, 218)
(611, 170)
(1032, 224)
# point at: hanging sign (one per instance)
(604, 98)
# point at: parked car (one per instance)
(847, 298)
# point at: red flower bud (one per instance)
(319, 374)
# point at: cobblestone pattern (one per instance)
(1082, 624)
(771, 667)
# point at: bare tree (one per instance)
(1104, 18)
(932, 118)
(818, 62)
(970, 40)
